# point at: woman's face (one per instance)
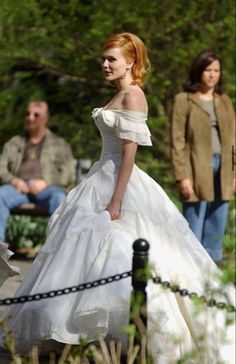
(114, 64)
(211, 75)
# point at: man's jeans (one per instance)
(10, 198)
(208, 219)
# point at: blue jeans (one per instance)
(10, 198)
(207, 219)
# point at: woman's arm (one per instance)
(134, 100)
(178, 145)
(127, 162)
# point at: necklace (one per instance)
(33, 151)
(33, 155)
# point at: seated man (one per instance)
(34, 167)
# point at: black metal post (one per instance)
(138, 308)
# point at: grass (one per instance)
(100, 352)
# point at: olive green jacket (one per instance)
(56, 160)
(191, 148)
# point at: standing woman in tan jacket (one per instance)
(202, 149)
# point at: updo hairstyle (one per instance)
(133, 50)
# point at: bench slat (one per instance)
(30, 209)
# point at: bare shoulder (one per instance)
(135, 100)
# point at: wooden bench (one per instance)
(82, 167)
(30, 209)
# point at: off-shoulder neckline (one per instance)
(123, 110)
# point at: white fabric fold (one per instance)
(6, 270)
(128, 124)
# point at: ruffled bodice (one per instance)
(115, 125)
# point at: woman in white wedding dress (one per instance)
(90, 236)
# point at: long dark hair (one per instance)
(200, 63)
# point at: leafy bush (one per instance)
(25, 231)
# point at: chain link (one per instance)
(60, 292)
(210, 302)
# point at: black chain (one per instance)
(210, 302)
(63, 291)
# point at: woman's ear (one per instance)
(129, 66)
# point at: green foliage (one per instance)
(26, 231)
(229, 246)
(51, 50)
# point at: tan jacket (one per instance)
(56, 159)
(191, 149)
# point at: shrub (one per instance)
(25, 231)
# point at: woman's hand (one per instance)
(114, 208)
(185, 188)
(129, 149)
(234, 184)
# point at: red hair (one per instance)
(133, 50)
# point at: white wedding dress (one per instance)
(83, 245)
